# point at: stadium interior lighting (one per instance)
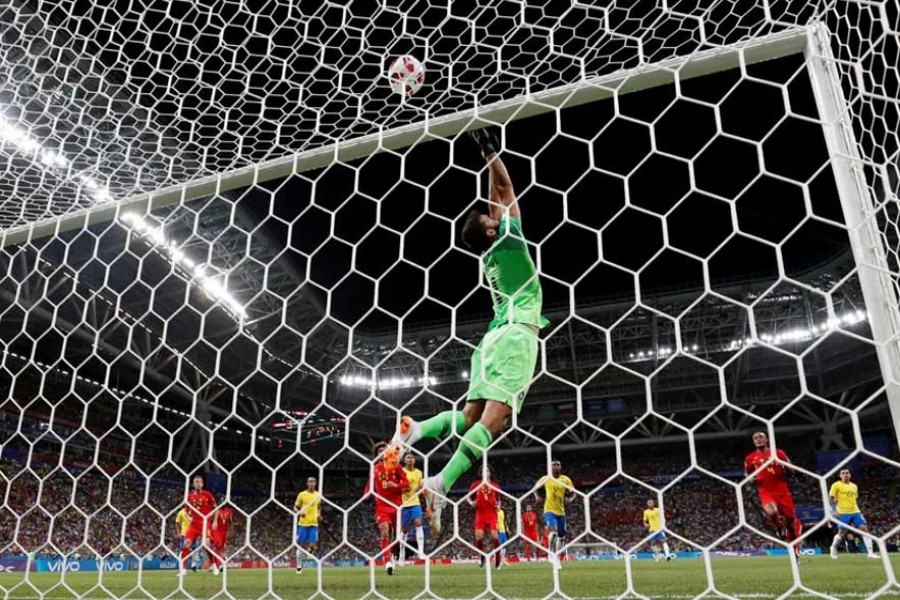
(788, 336)
(20, 140)
(386, 383)
(210, 284)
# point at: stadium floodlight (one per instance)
(20, 140)
(210, 284)
(386, 383)
(11, 135)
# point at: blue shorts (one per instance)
(851, 519)
(557, 522)
(308, 534)
(410, 514)
(659, 536)
(503, 537)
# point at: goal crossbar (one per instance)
(642, 77)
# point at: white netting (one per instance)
(709, 190)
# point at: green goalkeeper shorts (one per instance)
(503, 365)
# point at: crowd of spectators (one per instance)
(49, 509)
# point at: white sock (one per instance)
(666, 548)
(403, 548)
(868, 542)
(836, 541)
(420, 539)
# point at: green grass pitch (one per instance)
(852, 576)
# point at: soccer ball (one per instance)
(406, 75)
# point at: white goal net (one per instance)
(228, 249)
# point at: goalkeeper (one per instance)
(503, 363)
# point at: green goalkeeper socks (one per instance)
(471, 447)
(441, 425)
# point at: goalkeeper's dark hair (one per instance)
(474, 233)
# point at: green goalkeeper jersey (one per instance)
(513, 278)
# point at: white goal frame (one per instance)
(859, 209)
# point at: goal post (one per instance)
(877, 281)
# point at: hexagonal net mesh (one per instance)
(230, 250)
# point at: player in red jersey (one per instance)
(545, 543)
(389, 484)
(200, 503)
(218, 536)
(771, 483)
(530, 530)
(484, 496)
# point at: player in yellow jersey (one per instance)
(183, 522)
(558, 491)
(307, 508)
(843, 497)
(501, 531)
(653, 518)
(411, 514)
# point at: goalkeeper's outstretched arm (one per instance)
(501, 194)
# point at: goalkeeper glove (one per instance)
(487, 141)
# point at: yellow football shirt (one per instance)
(555, 491)
(415, 481)
(653, 519)
(308, 503)
(183, 521)
(846, 495)
(501, 521)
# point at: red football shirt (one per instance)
(200, 504)
(773, 477)
(486, 496)
(388, 497)
(223, 518)
(529, 523)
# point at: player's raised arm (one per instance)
(501, 194)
